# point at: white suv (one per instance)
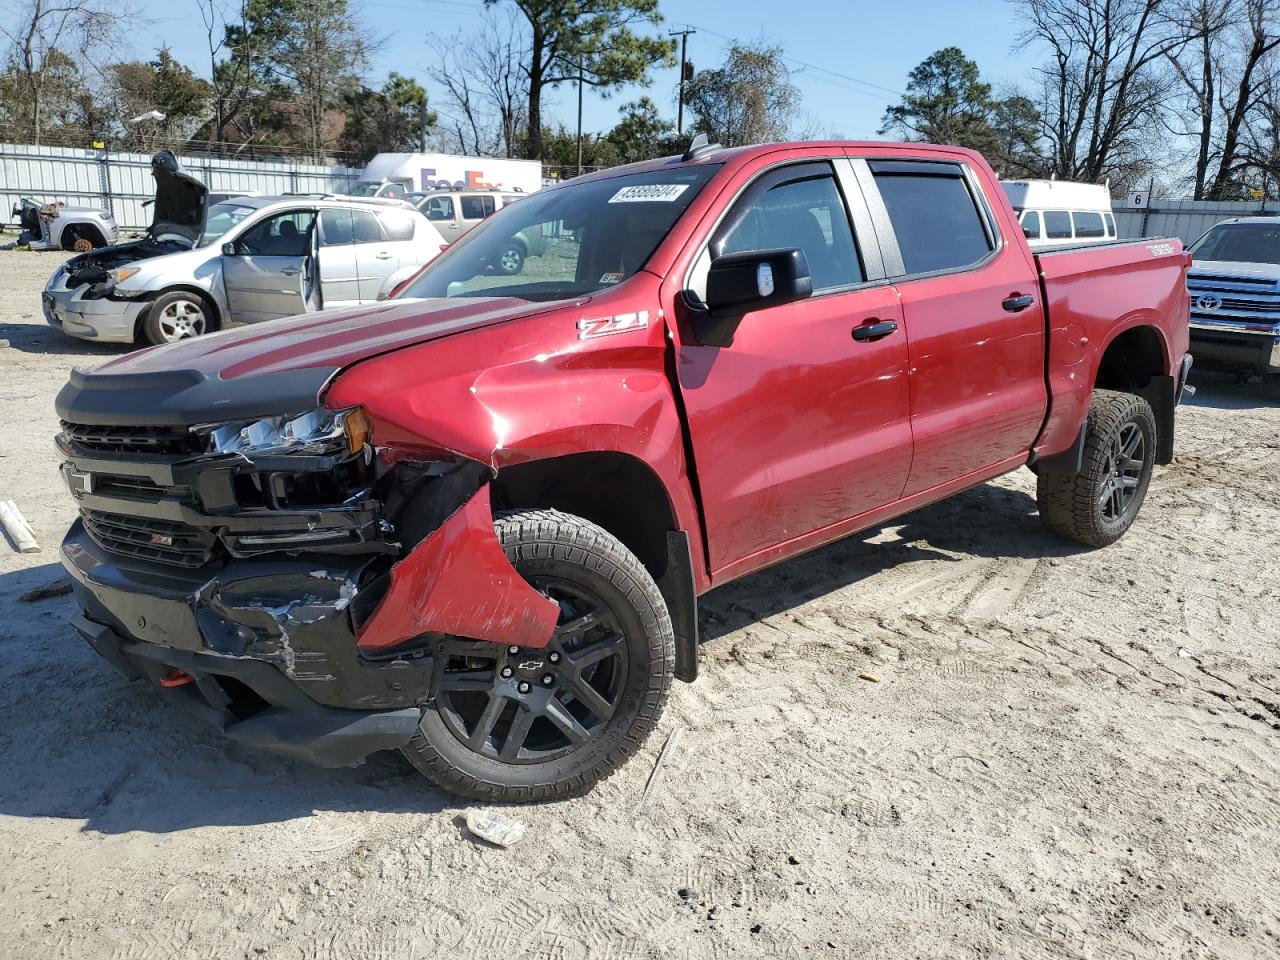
(454, 212)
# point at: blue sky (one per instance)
(859, 54)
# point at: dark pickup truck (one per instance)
(472, 522)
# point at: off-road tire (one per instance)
(560, 546)
(1071, 503)
(150, 328)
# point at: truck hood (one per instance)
(1235, 268)
(271, 368)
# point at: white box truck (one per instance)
(399, 174)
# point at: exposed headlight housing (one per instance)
(121, 274)
(316, 432)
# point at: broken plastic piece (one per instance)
(458, 581)
(494, 827)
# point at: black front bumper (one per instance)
(1257, 351)
(269, 643)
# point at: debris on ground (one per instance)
(869, 676)
(496, 828)
(15, 524)
(659, 768)
(54, 588)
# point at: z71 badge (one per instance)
(607, 326)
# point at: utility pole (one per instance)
(684, 69)
(581, 77)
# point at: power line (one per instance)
(813, 66)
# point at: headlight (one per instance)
(121, 274)
(316, 432)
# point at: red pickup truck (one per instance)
(472, 522)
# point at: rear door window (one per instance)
(364, 227)
(1089, 224)
(934, 216)
(476, 207)
(397, 224)
(1057, 225)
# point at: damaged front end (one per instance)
(285, 577)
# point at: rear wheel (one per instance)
(179, 315)
(513, 723)
(1097, 505)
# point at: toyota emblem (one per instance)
(1209, 303)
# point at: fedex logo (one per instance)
(474, 180)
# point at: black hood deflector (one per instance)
(184, 398)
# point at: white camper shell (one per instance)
(1059, 213)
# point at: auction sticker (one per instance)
(650, 193)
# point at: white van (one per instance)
(1056, 213)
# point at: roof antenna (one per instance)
(700, 147)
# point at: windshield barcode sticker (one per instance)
(650, 193)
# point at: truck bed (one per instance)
(1092, 293)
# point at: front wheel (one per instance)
(1097, 505)
(515, 724)
(179, 315)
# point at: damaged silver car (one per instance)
(57, 226)
(244, 260)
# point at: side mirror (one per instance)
(740, 283)
(228, 249)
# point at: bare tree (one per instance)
(1225, 71)
(1103, 88)
(485, 89)
(750, 99)
(45, 36)
(231, 68)
(1198, 68)
(1261, 38)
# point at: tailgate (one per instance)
(1092, 293)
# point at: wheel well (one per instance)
(1131, 360)
(1135, 362)
(614, 490)
(75, 231)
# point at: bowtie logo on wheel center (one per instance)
(530, 668)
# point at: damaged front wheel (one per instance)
(513, 723)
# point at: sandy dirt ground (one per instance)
(1069, 754)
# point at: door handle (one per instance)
(874, 330)
(291, 271)
(1018, 302)
(383, 255)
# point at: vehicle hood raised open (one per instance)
(180, 200)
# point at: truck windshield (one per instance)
(365, 188)
(568, 241)
(1240, 242)
(220, 218)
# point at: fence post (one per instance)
(104, 179)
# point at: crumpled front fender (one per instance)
(458, 581)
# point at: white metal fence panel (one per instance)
(120, 182)
(1186, 219)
